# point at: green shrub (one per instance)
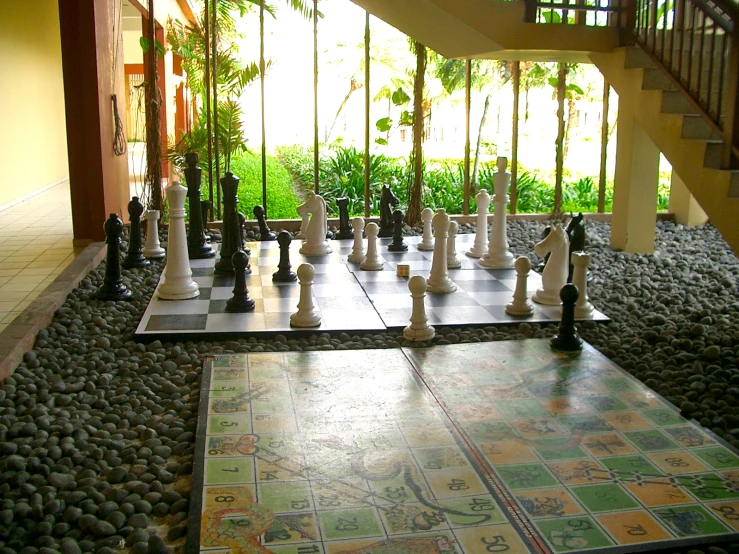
(281, 198)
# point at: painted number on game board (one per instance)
(458, 485)
(269, 476)
(495, 544)
(224, 498)
(312, 549)
(329, 500)
(676, 462)
(481, 505)
(229, 424)
(395, 493)
(728, 512)
(347, 524)
(635, 530)
(299, 504)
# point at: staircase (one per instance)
(688, 130)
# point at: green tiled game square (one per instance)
(689, 436)
(472, 510)
(557, 449)
(228, 374)
(279, 443)
(620, 384)
(650, 440)
(396, 490)
(238, 361)
(464, 395)
(271, 404)
(384, 438)
(573, 533)
(526, 476)
(222, 471)
(690, 521)
(663, 416)
(221, 389)
(229, 424)
(718, 457)
(302, 548)
(708, 486)
(487, 431)
(292, 496)
(585, 423)
(291, 528)
(494, 378)
(347, 524)
(607, 403)
(443, 457)
(606, 497)
(626, 466)
(521, 409)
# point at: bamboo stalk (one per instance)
(367, 100)
(467, 104)
(264, 128)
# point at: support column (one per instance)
(98, 179)
(684, 205)
(635, 186)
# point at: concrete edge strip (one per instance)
(20, 335)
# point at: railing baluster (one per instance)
(724, 62)
(682, 39)
(731, 127)
(699, 59)
(664, 29)
(690, 52)
(709, 96)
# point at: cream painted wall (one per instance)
(132, 52)
(33, 140)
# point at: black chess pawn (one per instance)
(231, 234)
(345, 227)
(197, 246)
(113, 287)
(264, 231)
(284, 274)
(134, 257)
(240, 301)
(397, 245)
(242, 227)
(567, 340)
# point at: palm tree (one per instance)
(413, 215)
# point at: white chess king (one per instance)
(498, 255)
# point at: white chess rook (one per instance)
(357, 254)
(152, 248)
(583, 307)
(177, 283)
(419, 329)
(480, 247)
(520, 304)
(371, 262)
(427, 240)
(452, 261)
(315, 234)
(307, 315)
(554, 277)
(498, 255)
(438, 281)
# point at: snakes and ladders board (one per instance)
(470, 448)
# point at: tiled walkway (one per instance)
(35, 247)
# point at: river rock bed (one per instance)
(97, 431)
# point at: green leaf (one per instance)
(576, 89)
(406, 118)
(552, 17)
(144, 43)
(400, 97)
(384, 124)
(381, 141)
(553, 81)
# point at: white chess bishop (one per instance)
(439, 281)
(480, 247)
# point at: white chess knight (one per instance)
(152, 248)
(480, 247)
(439, 281)
(498, 255)
(520, 304)
(427, 240)
(357, 254)
(315, 234)
(177, 283)
(307, 315)
(419, 329)
(583, 307)
(554, 277)
(304, 219)
(371, 262)
(452, 261)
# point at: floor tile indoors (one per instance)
(35, 247)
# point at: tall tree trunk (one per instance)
(570, 117)
(153, 123)
(353, 86)
(476, 167)
(413, 217)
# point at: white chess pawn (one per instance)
(583, 307)
(480, 247)
(371, 261)
(439, 280)
(307, 315)
(427, 240)
(498, 256)
(452, 261)
(177, 283)
(520, 304)
(357, 255)
(152, 248)
(419, 329)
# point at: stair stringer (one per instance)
(710, 187)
